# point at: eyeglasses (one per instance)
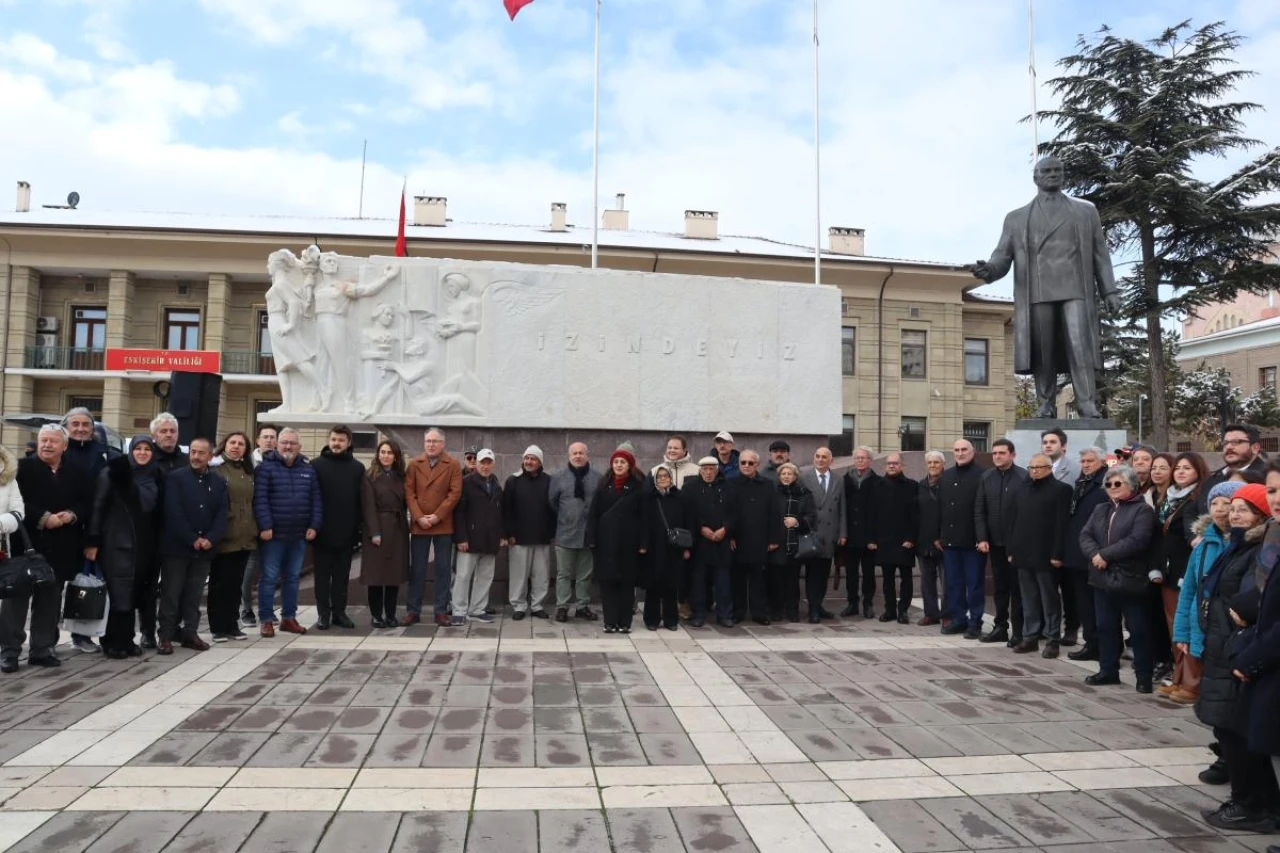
(1235, 441)
(747, 464)
(1038, 467)
(1115, 485)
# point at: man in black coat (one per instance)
(169, 455)
(58, 499)
(338, 474)
(755, 529)
(706, 502)
(963, 564)
(1036, 548)
(997, 492)
(83, 448)
(196, 508)
(860, 513)
(1086, 495)
(898, 504)
(1241, 453)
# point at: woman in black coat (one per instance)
(664, 563)
(616, 537)
(795, 505)
(1177, 514)
(1223, 704)
(122, 537)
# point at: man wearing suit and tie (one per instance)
(1061, 263)
(830, 525)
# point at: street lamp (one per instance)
(1141, 397)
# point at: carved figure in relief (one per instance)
(332, 298)
(377, 354)
(292, 341)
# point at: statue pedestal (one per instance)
(1101, 433)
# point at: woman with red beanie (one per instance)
(615, 535)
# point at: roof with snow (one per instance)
(453, 231)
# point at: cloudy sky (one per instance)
(261, 106)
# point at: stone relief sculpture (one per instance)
(332, 297)
(292, 344)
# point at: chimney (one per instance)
(848, 241)
(429, 210)
(701, 224)
(618, 219)
(559, 210)
(24, 197)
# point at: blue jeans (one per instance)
(1136, 612)
(966, 586)
(281, 563)
(421, 547)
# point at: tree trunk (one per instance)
(1155, 340)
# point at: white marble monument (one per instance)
(415, 341)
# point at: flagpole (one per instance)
(1031, 74)
(817, 152)
(595, 155)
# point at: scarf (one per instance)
(619, 483)
(1172, 500)
(146, 477)
(1084, 485)
(579, 478)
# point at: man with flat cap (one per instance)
(1061, 263)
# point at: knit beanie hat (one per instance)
(1225, 489)
(1255, 495)
(535, 451)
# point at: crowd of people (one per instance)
(1077, 549)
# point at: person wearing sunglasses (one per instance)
(1116, 542)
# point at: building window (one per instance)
(978, 433)
(913, 433)
(1183, 447)
(1267, 378)
(88, 338)
(266, 362)
(364, 440)
(914, 353)
(844, 307)
(181, 329)
(93, 404)
(260, 407)
(848, 350)
(976, 362)
(842, 444)
(1271, 444)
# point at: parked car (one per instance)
(33, 421)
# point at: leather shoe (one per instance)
(342, 620)
(1215, 774)
(410, 619)
(973, 633)
(444, 621)
(1184, 697)
(45, 660)
(904, 619)
(815, 619)
(1100, 679)
(322, 624)
(267, 630)
(562, 614)
(955, 628)
(164, 647)
(1026, 647)
(868, 611)
(1069, 638)
(928, 621)
(851, 610)
(586, 613)
(8, 665)
(1013, 641)
(1085, 652)
(539, 614)
(518, 615)
(377, 622)
(887, 616)
(996, 635)
(697, 622)
(195, 643)
(1051, 650)
(764, 620)
(824, 613)
(1144, 685)
(291, 626)
(148, 641)
(725, 623)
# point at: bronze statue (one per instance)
(1059, 254)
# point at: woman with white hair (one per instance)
(928, 553)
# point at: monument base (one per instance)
(1101, 433)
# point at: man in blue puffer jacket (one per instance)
(286, 503)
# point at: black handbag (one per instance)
(22, 573)
(1123, 579)
(809, 546)
(85, 603)
(677, 537)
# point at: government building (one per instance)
(99, 306)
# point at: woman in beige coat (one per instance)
(384, 557)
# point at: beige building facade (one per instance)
(925, 359)
(1249, 351)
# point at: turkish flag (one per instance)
(514, 6)
(401, 249)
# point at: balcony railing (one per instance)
(255, 363)
(63, 358)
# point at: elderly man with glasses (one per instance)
(1036, 548)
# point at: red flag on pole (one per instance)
(401, 249)
(514, 6)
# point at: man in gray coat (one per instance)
(1053, 443)
(830, 524)
(570, 494)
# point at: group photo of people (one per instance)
(1138, 554)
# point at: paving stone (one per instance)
(17, 741)
(1162, 819)
(716, 828)
(67, 832)
(260, 718)
(286, 749)
(1035, 822)
(919, 742)
(503, 832)
(449, 750)
(615, 749)
(910, 826)
(340, 750)
(214, 832)
(669, 749)
(643, 831)
(561, 750)
(360, 832)
(230, 749)
(174, 749)
(572, 830)
(1093, 816)
(978, 828)
(412, 720)
(286, 832)
(563, 720)
(823, 745)
(507, 751)
(141, 832)
(397, 750)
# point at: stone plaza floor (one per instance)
(531, 736)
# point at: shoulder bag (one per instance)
(677, 537)
(809, 546)
(23, 572)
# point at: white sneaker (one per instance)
(86, 645)
(220, 638)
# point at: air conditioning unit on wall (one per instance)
(46, 324)
(46, 340)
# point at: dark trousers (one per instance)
(783, 582)
(181, 585)
(1086, 607)
(710, 582)
(333, 574)
(1007, 593)
(1041, 604)
(749, 595)
(421, 548)
(817, 578)
(1135, 610)
(617, 601)
(861, 560)
(966, 585)
(930, 571)
(897, 599)
(1066, 579)
(45, 605)
(1253, 785)
(146, 594)
(119, 633)
(382, 601)
(1161, 639)
(660, 607)
(226, 576)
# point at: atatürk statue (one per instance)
(1061, 263)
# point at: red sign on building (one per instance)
(163, 360)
